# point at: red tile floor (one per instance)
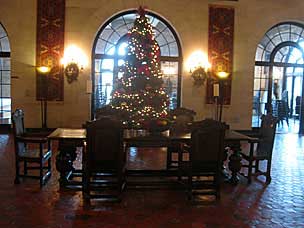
(279, 204)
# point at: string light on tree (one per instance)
(140, 90)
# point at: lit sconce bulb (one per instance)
(222, 74)
(198, 59)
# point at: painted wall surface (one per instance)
(190, 21)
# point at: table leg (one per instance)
(235, 162)
(64, 161)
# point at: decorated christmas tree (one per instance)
(140, 92)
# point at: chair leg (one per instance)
(250, 163)
(49, 164)
(17, 179)
(25, 168)
(190, 186)
(85, 187)
(169, 158)
(268, 177)
(41, 173)
(257, 168)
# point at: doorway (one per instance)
(278, 79)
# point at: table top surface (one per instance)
(130, 134)
(68, 133)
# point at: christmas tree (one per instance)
(140, 90)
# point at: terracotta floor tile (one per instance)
(279, 204)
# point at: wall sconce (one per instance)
(74, 61)
(199, 67)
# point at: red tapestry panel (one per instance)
(50, 48)
(220, 47)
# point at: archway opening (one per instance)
(278, 78)
(109, 52)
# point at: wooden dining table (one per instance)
(69, 139)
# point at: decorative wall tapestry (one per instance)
(50, 48)
(220, 48)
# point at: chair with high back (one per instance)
(297, 107)
(33, 150)
(261, 149)
(104, 160)
(204, 166)
(180, 119)
(108, 111)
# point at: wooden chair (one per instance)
(297, 107)
(263, 149)
(180, 119)
(108, 111)
(104, 160)
(205, 161)
(30, 149)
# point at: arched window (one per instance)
(5, 78)
(278, 78)
(109, 53)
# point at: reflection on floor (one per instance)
(283, 127)
(280, 204)
(291, 127)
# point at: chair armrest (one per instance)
(250, 133)
(30, 139)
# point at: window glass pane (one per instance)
(276, 40)
(107, 64)
(6, 104)
(122, 30)
(170, 77)
(2, 32)
(164, 50)
(107, 78)
(159, 25)
(284, 28)
(173, 49)
(122, 49)
(110, 49)
(294, 37)
(5, 80)
(121, 62)
(266, 55)
(107, 90)
(5, 77)
(106, 33)
(295, 55)
(5, 47)
(120, 74)
(265, 40)
(296, 29)
(270, 47)
(5, 64)
(114, 38)
(100, 47)
(278, 57)
(169, 36)
(285, 37)
(258, 54)
(161, 40)
(273, 32)
(97, 65)
(5, 91)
